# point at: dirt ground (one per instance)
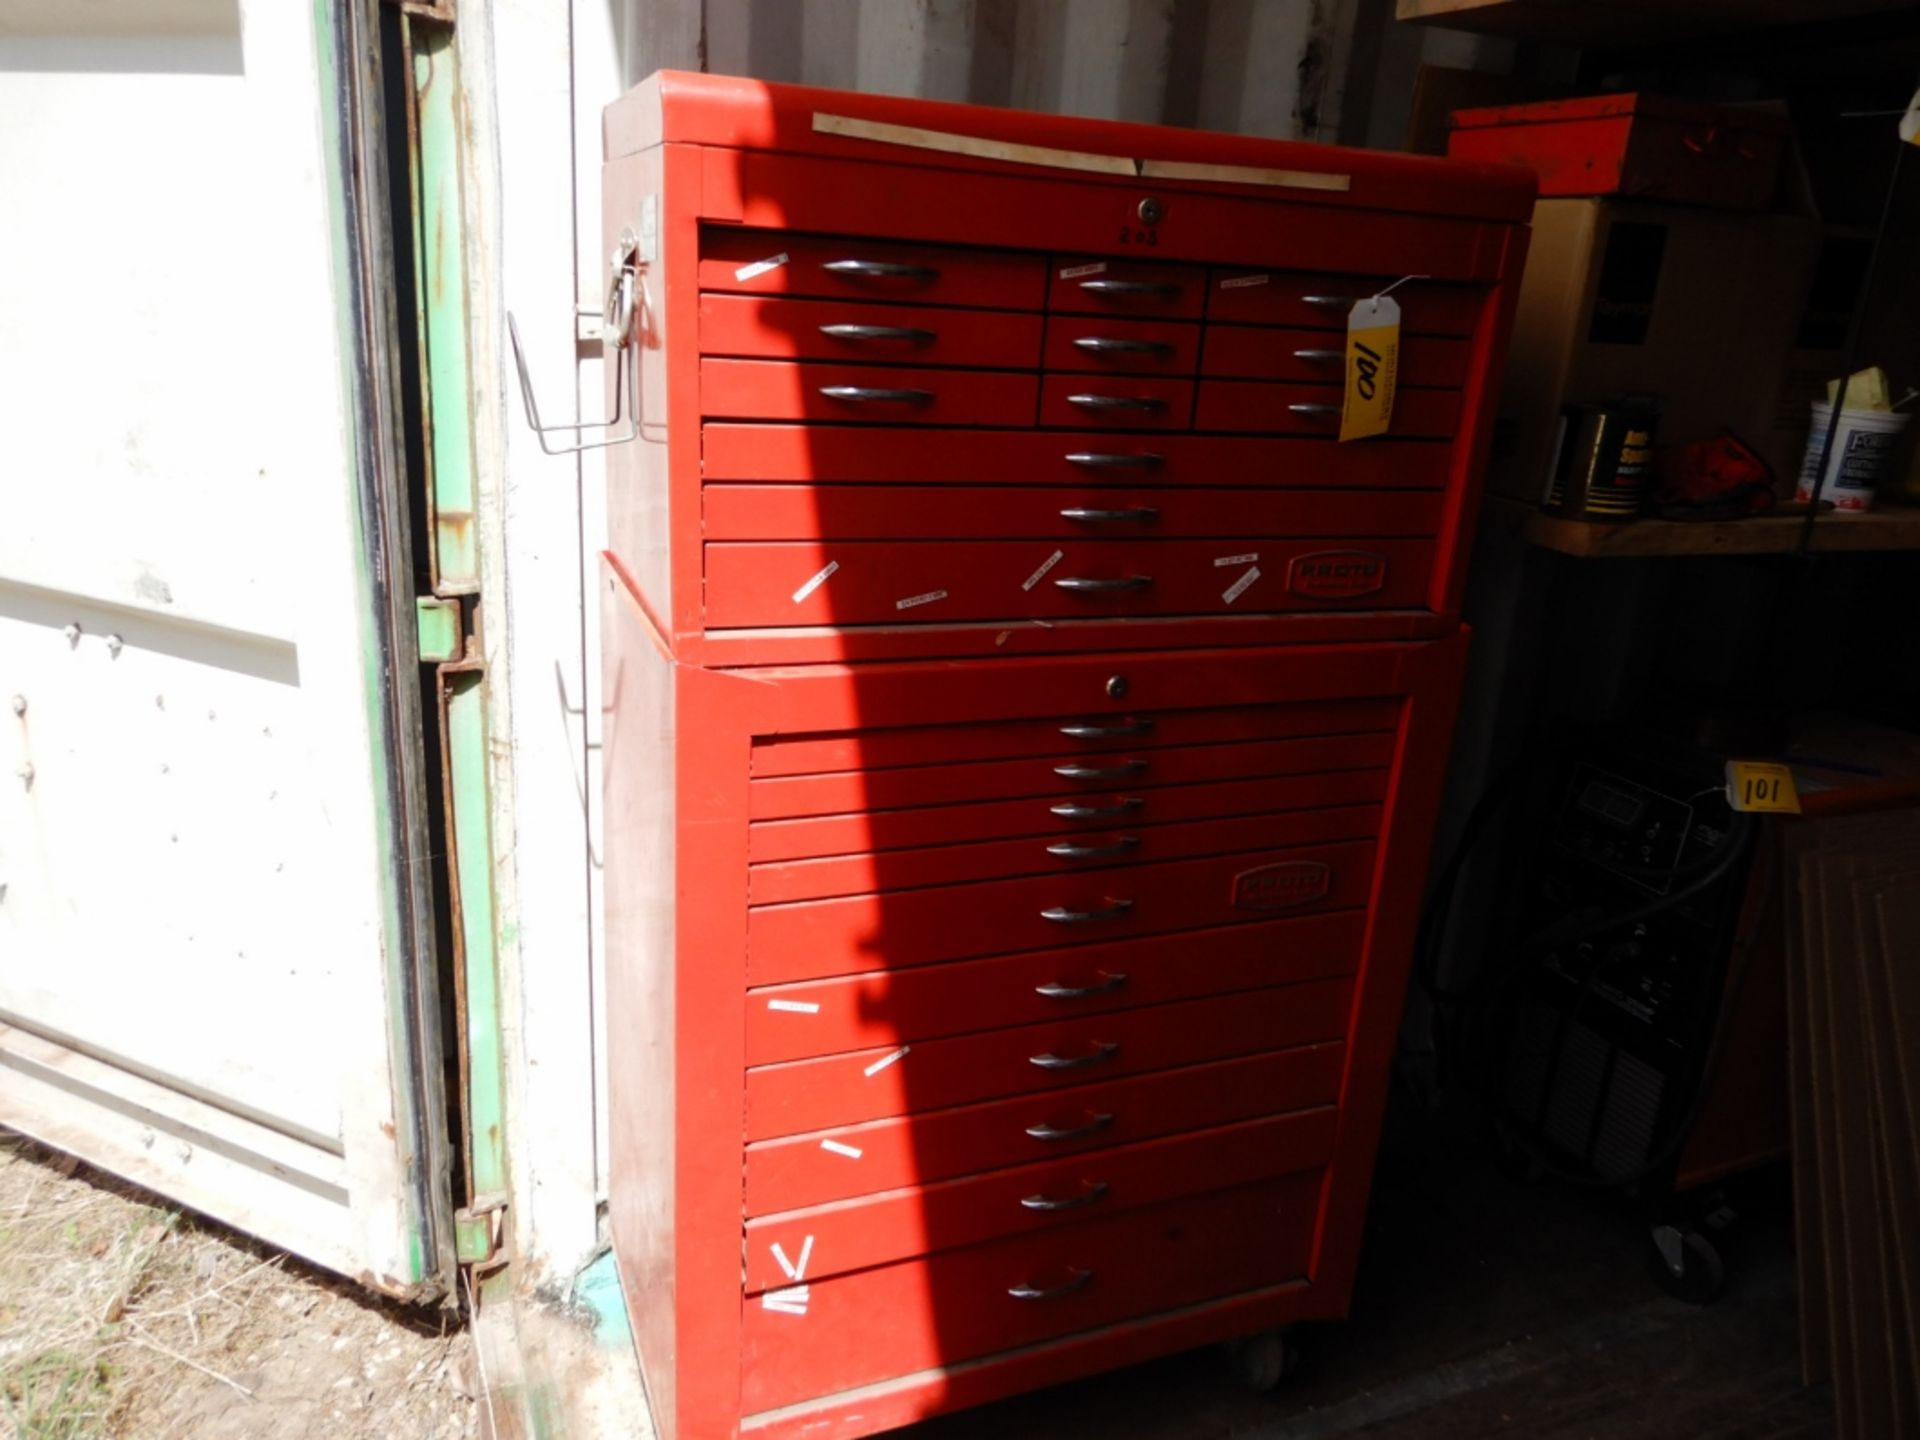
(124, 1319)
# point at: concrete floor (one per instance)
(1485, 1306)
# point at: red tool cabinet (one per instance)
(1025, 728)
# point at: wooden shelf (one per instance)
(1617, 23)
(1892, 528)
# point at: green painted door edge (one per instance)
(421, 1197)
(439, 628)
(443, 296)
(471, 838)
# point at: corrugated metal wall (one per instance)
(1264, 67)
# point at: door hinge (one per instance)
(479, 1231)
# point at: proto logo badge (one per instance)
(1282, 886)
(1336, 574)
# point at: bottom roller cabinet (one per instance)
(874, 1106)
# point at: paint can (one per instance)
(1862, 456)
(1603, 462)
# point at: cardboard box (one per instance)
(1699, 308)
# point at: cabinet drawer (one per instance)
(963, 512)
(1121, 843)
(849, 935)
(931, 582)
(752, 326)
(807, 1095)
(879, 749)
(1322, 302)
(764, 453)
(1066, 774)
(1115, 402)
(1254, 352)
(828, 1017)
(771, 262)
(899, 1319)
(1088, 285)
(1066, 1190)
(1261, 407)
(865, 394)
(814, 1169)
(1102, 345)
(1060, 816)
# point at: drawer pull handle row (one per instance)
(1103, 1050)
(875, 395)
(1328, 301)
(1092, 1125)
(1097, 585)
(1148, 403)
(1060, 915)
(1308, 407)
(1091, 1191)
(1108, 732)
(1076, 771)
(1096, 460)
(1320, 357)
(1129, 287)
(1107, 345)
(879, 332)
(1024, 1291)
(1098, 812)
(1059, 990)
(1137, 515)
(1070, 850)
(881, 270)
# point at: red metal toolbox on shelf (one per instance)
(1645, 147)
(1026, 721)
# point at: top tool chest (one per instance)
(1020, 1006)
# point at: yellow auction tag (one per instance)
(1373, 367)
(1761, 785)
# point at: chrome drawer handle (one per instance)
(871, 394)
(1094, 585)
(1138, 515)
(1306, 407)
(1117, 402)
(1069, 850)
(1107, 345)
(1108, 732)
(1077, 771)
(881, 269)
(1060, 915)
(1103, 1050)
(1057, 990)
(1024, 1291)
(1090, 1191)
(1097, 812)
(1129, 287)
(1329, 301)
(1320, 357)
(1095, 460)
(1093, 1125)
(879, 332)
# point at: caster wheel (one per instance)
(1686, 1264)
(1263, 1360)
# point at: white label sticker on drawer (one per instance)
(926, 599)
(816, 582)
(1239, 587)
(795, 1007)
(790, 1301)
(760, 267)
(1045, 565)
(1241, 282)
(1226, 560)
(885, 1060)
(1074, 272)
(835, 1147)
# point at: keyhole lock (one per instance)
(1117, 687)
(1151, 211)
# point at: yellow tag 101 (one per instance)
(1761, 785)
(1373, 367)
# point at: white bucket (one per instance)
(1862, 455)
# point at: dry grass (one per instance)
(122, 1319)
